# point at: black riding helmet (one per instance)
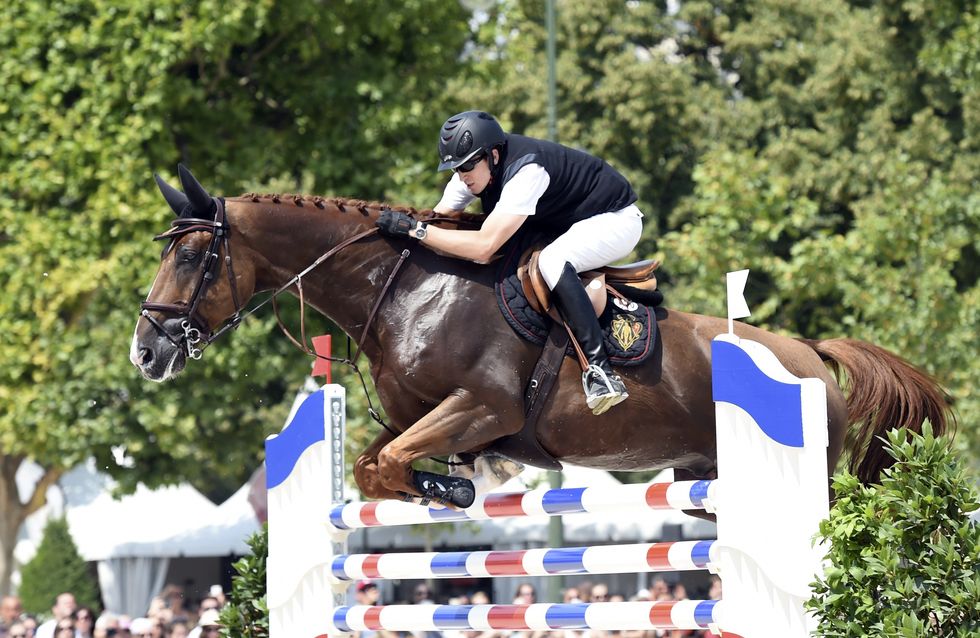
(466, 135)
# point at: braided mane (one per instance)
(363, 206)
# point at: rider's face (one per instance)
(478, 178)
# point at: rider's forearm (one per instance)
(475, 245)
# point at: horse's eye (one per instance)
(188, 255)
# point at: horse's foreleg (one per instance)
(366, 469)
(459, 424)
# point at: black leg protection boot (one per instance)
(603, 387)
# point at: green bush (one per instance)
(905, 558)
(246, 615)
(56, 568)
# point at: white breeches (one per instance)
(592, 243)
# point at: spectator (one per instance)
(173, 599)
(63, 608)
(643, 595)
(366, 593)
(30, 622)
(714, 590)
(209, 624)
(10, 611)
(422, 595)
(617, 598)
(65, 628)
(208, 603)
(18, 630)
(84, 619)
(178, 629)
(480, 598)
(600, 593)
(570, 595)
(218, 594)
(585, 591)
(679, 592)
(106, 626)
(141, 628)
(526, 594)
(660, 590)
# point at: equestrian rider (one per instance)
(541, 186)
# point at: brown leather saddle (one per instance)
(599, 283)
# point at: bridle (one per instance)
(195, 328)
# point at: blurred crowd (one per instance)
(367, 593)
(170, 615)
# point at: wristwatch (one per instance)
(421, 231)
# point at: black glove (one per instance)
(395, 224)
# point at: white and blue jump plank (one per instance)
(682, 614)
(680, 495)
(602, 559)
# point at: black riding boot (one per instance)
(603, 387)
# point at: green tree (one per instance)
(247, 615)
(56, 568)
(254, 96)
(904, 556)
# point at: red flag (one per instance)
(321, 367)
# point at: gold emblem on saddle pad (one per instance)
(626, 332)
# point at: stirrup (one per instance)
(612, 393)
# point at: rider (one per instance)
(531, 183)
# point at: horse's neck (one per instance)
(287, 239)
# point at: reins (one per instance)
(195, 334)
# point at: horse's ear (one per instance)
(199, 198)
(175, 199)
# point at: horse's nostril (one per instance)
(146, 356)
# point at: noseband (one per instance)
(194, 326)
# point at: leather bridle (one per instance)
(195, 327)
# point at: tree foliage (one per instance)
(56, 568)
(247, 615)
(904, 556)
(254, 96)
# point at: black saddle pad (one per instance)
(629, 329)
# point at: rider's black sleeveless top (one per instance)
(581, 185)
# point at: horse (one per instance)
(448, 369)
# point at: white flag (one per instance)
(737, 308)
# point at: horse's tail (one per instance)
(884, 391)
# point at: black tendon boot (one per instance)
(603, 387)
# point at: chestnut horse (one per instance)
(449, 370)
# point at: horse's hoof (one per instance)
(453, 490)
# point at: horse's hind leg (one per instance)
(459, 424)
(366, 469)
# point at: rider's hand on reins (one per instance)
(395, 224)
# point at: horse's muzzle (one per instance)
(157, 353)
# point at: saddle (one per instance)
(638, 277)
